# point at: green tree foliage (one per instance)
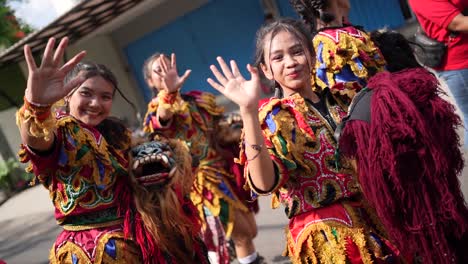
(12, 29)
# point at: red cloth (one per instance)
(434, 17)
(334, 212)
(87, 240)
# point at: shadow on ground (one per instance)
(29, 234)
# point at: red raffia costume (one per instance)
(89, 186)
(346, 58)
(329, 222)
(195, 115)
(408, 158)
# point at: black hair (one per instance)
(91, 69)
(293, 26)
(395, 49)
(309, 10)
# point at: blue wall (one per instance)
(227, 28)
(371, 14)
(376, 14)
(220, 28)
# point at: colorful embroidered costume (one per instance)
(86, 178)
(329, 222)
(92, 193)
(346, 58)
(195, 114)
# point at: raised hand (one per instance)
(45, 83)
(232, 84)
(171, 80)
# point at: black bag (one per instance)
(428, 51)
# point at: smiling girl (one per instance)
(290, 152)
(81, 156)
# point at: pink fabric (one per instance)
(352, 252)
(335, 212)
(87, 240)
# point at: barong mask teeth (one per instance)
(153, 163)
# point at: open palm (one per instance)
(171, 80)
(234, 86)
(45, 83)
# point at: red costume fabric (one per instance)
(329, 222)
(408, 160)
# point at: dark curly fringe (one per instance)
(396, 50)
(307, 15)
(309, 10)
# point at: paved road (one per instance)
(28, 229)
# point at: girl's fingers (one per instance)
(58, 56)
(158, 73)
(254, 72)
(72, 63)
(235, 69)
(219, 76)
(77, 81)
(163, 64)
(216, 85)
(47, 56)
(185, 76)
(29, 59)
(173, 62)
(227, 72)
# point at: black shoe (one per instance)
(259, 260)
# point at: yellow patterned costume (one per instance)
(195, 114)
(346, 59)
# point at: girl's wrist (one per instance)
(248, 111)
(29, 98)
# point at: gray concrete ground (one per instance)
(28, 229)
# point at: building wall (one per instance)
(218, 28)
(10, 130)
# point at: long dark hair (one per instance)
(293, 26)
(112, 128)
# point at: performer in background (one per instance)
(194, 117)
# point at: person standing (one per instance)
(194, 117)
(445, 22)
(289, 152)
